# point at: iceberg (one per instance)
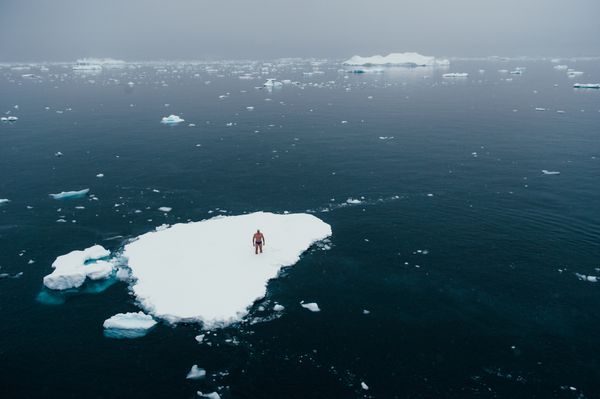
(128, 325)
(208, 272)
(171, 119)
(313, 307)
(272, 83)
(455, 75)
(196, 373)
(71, 270)
(70, 194)
(397, 59)
(587, 85)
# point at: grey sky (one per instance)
(57, 30)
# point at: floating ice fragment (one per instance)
(99, 175)
(270, 83)
(455, 75)
(591, 279)
(211, 395)
(199, 338)
(128, 325)
(398, 59)
(4, 200)
(364, 386)
(70, 194)
(540, 109)
(278, 308)
(71, 270)
(313, 307)
(353, 201)
(165, 209)
(586, 85)
(196, 373)
(550, 172)
(171, 119)
(365, 311)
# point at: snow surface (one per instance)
(400, 59)
(207, 271)
(71, 270)
(70, 194)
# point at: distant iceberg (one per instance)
(270, 83)
(587, 85)
(171, 119)
(9, 119)
(70, 194)
(71, 270)
(397, 59)
(213, 275)
(455, 75)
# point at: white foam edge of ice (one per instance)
(214, 276)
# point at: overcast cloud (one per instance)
(62, 30)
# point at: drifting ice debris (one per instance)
(278, 308)
(70, 194)
(196, 373)
(199, 338)
(4, 200)
(561, 67)
(586, 85)
(397, 59)
(165, 209)
(99, 175)
(591, 279)
(572, 73)
(313, 307)
(171, 119)
(128, 325)
(218, 275)
(353, 201)
(58, 154)
(272, 83)
(9, 119)
(364, 386)
(211, 395)
(6, 275)
(550, 172)
(71, 270)
(455, 75)
(540, 109)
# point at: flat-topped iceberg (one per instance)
(70, 194)
(128, 325)
(207, 271)
(71, 270)
(397, 59)
(586, 85)
(172, 119)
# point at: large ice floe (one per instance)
(71, 270)
(207, 271)
(397, 59)
(70, 194)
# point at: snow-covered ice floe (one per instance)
(586, 85)
(455, 75)
(128, 325)
(313, 307)
(70, 194)
(397, 59)
(71, 270)
(172, 119)
(196, 373)
(550, 172)
(207, 271)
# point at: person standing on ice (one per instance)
(258, 240)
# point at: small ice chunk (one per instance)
(365, 311)
(70, 194)
(71, 270)
(586, 85)
(211, 395)
(128, 325)
(313, 307)
(100, 175)
(278, 308)
(196, 373)
(165, 209)
(540, 109)
(364, 386)
(455, 75)
(199, 338)
(4, 200)
(171, 119)
(353, 201)
(550, 172)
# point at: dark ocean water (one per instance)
(462, 250)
